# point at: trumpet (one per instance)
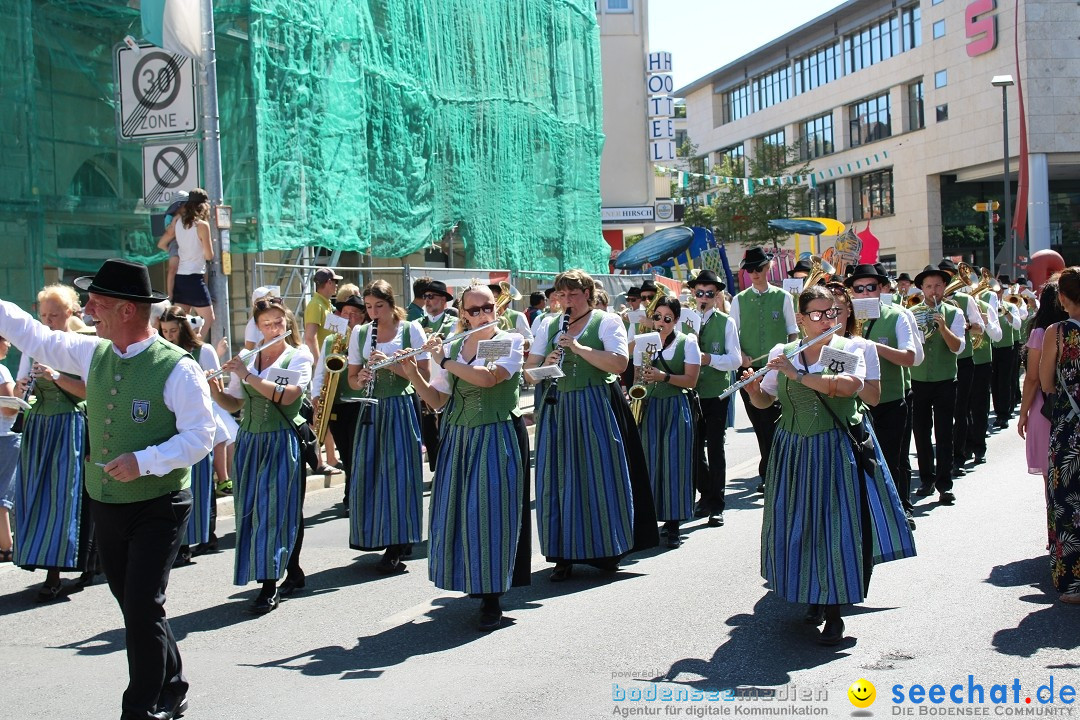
(245, 356)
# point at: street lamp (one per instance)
(1003, 82)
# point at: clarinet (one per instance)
(552, 397)
(369, 387)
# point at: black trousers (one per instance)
(932, 409)
(903, 476)
(1003, 382)
(890, 420)
(713, 477)
(343, 427)
(965, 370)
(137, 544)
(429, 433)
(978, 410)
(764, 422)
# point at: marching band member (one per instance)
(977, 404)
(438, 319)
(386, 496)
(894, 339)
(513, 321)
(1004, 370)
(479, 495)
(252, 336)
(933, 387)
(668, 422)
(269, 491)
(718, 342)
(765, 317)
(149, 419)
(592, 503)
(51, 514)
(828, 518)
(801, 269)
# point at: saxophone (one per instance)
(334, 364)
(639, 391)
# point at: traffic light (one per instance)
(986, 206)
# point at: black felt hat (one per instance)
(932, 270)
(803, 265)
(633, 292)
(1004, 280)
(754, 258)
(948, 266)
(353, 300)
(864, 271)
(121, 279)
(706, 277)
(648, 286)
(903, 276)
(439, 288)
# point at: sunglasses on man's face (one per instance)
(647, 298)
(662, 318)
(479, 310)
(868, 287)
(431, 296)
(830, 314)
(705, 294)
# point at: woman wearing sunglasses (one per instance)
(667, 426)
(593, 498)
(818, 541)
(269, 491)
(480, 534)
(387, 479)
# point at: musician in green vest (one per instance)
(978, 404)
(1003, 382)
(149, 419)
(437, 319)
(894, 339)
(718, 342)
(933, 384)
(765, 317)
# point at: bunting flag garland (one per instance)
(682, 177)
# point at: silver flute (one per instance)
(245, 356)
(758, 373)
(394, 359)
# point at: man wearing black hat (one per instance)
(718, 340)
(893, 335)
(438, 319)
(149, 419)
(801, 269)
(933, 385)
(765, 317)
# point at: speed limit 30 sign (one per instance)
(156, 93)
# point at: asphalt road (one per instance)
(976, 601)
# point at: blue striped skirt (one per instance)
(386, 490)
(584, 503)
(202, 498)
(892, 538)
(476, 499)
(812, 530)
(267, 497)
(667, 435)
(49, 492)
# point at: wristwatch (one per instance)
(799, 375)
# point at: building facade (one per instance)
(910, 83)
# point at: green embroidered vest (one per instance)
(984, 354)
(939, 362)
(1008, 333)
(801, 408)
(51, 400)
(126, 412)
(882, 330)
(713, 340)
(262, 415)
(387, 384)
(579, 373)
(761, 321)
(962, 300)
(471, 405)
(676, 366)
(445, 325)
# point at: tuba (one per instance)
(507, 294)
(334, 364)
(820, 270)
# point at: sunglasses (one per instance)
(705, 293)
(665, 318)
(830, 314)
(268, 303)
(647, 298)
(431, 296)
(479, 310)
(868, 287)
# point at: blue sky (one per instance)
(702, 35)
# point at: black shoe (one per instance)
(910, 519)
(390, 562)
(48, 593)
(700, 510)
(174, 708)
(761, 487)
(815, 615)
(958, 472)
(490, 615)
(406, 550)
(833, 633)
(265, 604)
(716, 520)
(145, 715)
(562, 571)
(946, 498)
(292, 585)
(925, 490)
(673, 539)
(980, 458)
(86, 578)
(183, 557)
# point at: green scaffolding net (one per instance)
(370, 125)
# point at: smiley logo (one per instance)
(862, 693)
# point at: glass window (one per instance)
(916, 119)
(817, 68)
(910, 28)
(816, 137)
(821, 201)
(939, 29)
(873, 194)
(942, 112)
(771, 88)
(871, 45)
(869, 120)
(619, 6)
(941, 78)
(737, 103)
(771, 152)
(730, 160)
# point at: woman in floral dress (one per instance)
(1059, 371)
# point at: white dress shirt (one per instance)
(417, 338)
(691, 352)
(300, 362)
(770, 382)
(512, 363)
(612, 333)
(732, 358)
(916, 336)
(187, 394)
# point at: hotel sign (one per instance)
(659, 86)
